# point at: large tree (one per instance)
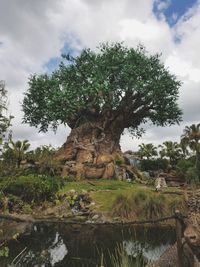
(98, 94)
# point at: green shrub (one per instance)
(15, 203)
(122, 207)
(192, 176)
(2, 201)
(183, 165)
(177, 204)
(153, 164)
(154, 208)
(33, 188)
(139, 205)
(26, 208)
(138, 198)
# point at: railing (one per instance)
(177, 216)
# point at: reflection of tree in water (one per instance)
(41, 243)
(151, 242)
(81, 246)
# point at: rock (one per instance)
(95, 217)
(79, 167)
(120, 173)
(104, 159)
(131, 159)
(72, 191)
(109, 171)
(65, 171)
(85, 156)
(146, 174)
(93, 172)
(70, 162)
(160, 183)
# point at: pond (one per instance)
(62, 245)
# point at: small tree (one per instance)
(44, 156)
(171, 150)
(16, 151)
(147, 151)
(98, 95)
(4, 119)
(191, 137)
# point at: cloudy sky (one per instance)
(33, 34)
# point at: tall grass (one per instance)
(139, 205)
(120, 258)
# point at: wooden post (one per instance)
(179, 239)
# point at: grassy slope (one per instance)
(105, 192)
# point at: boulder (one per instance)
(109, 171)
(85, 156)
(120, 173)
(160, 183)
(65, 171)
(104, 159)
(94, 172)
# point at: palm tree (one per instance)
(18, 150)
(170, 150)
(147, 151)
(191, 137)
(184, 148)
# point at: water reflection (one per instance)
(63, 245)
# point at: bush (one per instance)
(122, 207)
(177, 204)
(139, 205)
(33, 188)
(183, 165)
(153, 164)
(15, 203)
(192, 176)
(154, 208)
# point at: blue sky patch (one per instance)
(172, 9)
(54, 62)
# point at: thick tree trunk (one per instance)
(91, 149)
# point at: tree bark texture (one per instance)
(91, 149)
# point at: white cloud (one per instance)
(33, 32)
(162, 4)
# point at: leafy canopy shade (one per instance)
(115, 80)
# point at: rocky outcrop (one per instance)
(191, 237)
(170, 258)
(106, 167)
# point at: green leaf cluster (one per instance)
(115, 79)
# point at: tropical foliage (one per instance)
(170, 150)
(191, 137)
(15, 152)
(147, 151)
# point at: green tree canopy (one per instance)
(191, 137)
(147, 151)
(114, 80)
(171, 150)
(16, 151)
